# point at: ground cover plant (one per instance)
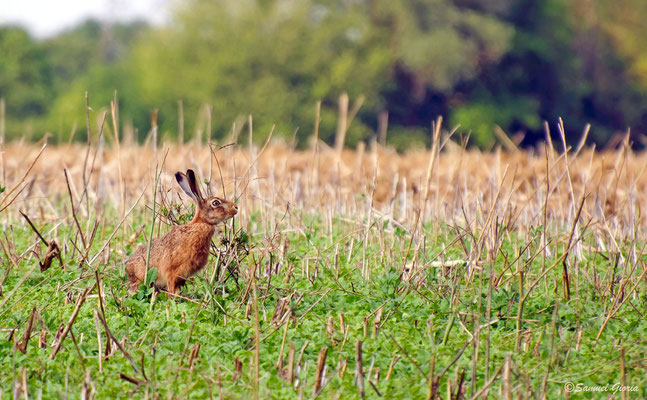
(441, 273)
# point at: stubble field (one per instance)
(442, 273)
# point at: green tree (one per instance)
(436, 46)
(615, 55)
(272, 60)
(92, 43)
(561, 64)
(626, 28)
(477, 62)
(25, 78)
(276, 59)
(93, 57)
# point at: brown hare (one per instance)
(184, 250)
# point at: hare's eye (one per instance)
(215, 203)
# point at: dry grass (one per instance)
(465, 185)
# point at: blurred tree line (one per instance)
(478, 63)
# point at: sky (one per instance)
(45, 18)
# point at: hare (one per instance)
(184, 250)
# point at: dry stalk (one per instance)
(359, 372)
(319, 374)
(67, 328)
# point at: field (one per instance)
(439, 273)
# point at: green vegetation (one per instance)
(477, 63)
(317, 288)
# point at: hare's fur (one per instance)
(184, 250)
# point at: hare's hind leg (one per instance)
(171, 285)
(133, 280)
(175, 283)
(136, 269)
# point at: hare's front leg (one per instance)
(134, 286)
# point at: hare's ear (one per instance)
(193, 184)
(184, 184)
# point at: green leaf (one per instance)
(151, 277)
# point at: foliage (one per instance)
(24, 75)
(477, 63)
(433, 315)
(273, 61)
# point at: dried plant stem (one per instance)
(180, 122)
(342, 123)
(116, 342)
(77, 308)
(158, 172)
(615, 309)
(3, 138)
(257, 344)
(319, 373)
(359, 370)
(6, 200)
